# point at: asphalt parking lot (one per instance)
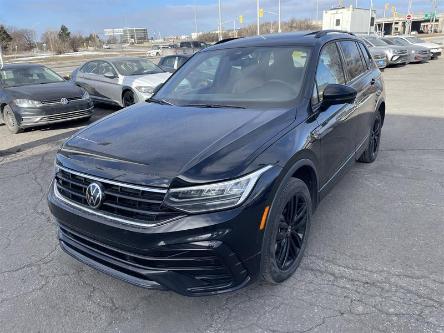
(374, 262)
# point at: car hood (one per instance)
(152, 144)
(46, 92)
(429, 45)
(390, 48)
(150, 80)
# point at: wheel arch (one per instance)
(304, 168)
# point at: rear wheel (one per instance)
(10, 120)
(286, 234)
(128, 98)
(370, 154)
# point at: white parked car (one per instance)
(122, 81)
(434, 48)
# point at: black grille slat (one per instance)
(120, 201)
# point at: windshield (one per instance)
(376, 41)
(242, 77)
(21, 76)
(128, 67)
(415, 40)
(400, 41)
(389, 41)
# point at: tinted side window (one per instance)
(104, 68)
(353, 59)
(329, 68)
(89, 67)
(367, 56)
(169, 62)
(181, 61)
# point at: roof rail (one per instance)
(226, 40)
(322, 33)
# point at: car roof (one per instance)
(11, 66)
(111, 59)
(310, 38)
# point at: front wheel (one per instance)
(370, 154)
(286, 234)
(10, 120)
(128, 98)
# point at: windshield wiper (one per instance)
(215, 106)
(158, 101)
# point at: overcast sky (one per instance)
(169, 17)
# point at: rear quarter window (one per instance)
(354, 64)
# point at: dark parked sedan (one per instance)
(212, 184)
(33, 95)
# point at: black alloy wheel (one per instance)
(291, 233)
(286, 232)
(374, 141)
(128, 98)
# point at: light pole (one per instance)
(370, 21)
(279, 17)
(257, 13)
(409, 23)
(220, 22)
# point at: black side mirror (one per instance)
(109, 75)
(157, 88)
(338, 94)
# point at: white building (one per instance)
(356, 20)
(128, 35)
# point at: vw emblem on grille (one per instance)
(94, 195)
(64, 100)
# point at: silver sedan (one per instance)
(121, 81)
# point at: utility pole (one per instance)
(317, 10)
(220, 22)
(195, 18)
(371, 14)
(279, 16)
(409, 23)
(257, 13)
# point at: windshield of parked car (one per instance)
(376, 41)
(389, 41)
(400, 42)
(239, 77)
(21, 76)
(128, 67)
(415, 40)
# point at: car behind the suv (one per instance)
(213, 183)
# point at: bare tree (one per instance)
(22, 39)
(76, 41)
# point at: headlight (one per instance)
(145, 90)
(223, 195)
(85, 95)
(436, 50)
(27, 103)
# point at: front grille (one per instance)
(379, 57)
(57, 101)
(122, 201)
(205, 266)
(400, 52)
(66, 116)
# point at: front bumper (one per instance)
(53, 113)
(192, 255)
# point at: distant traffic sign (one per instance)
(409, 17)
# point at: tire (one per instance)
(279, 235)
(128, 98)
(10, 120)
(370, 154)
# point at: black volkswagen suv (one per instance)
(213, 182)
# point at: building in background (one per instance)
(356, 20)
(398, 24)
(127, 35)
